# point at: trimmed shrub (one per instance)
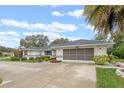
(15, 58)
(39, 59)
(109, 51)
(119, 51)
(101, 60)
(18, 53)
(24, 58)
(110, 58)
(46, 58)
(1, 54)
(5, 55)
(31, 58)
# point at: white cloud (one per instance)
(89, 27)
(57, 13)
(12, 34)
(37, 26)
(9, 34)
(14, 23)
(52, 36)
(9, 38)
(54, 26)
(75, 13)
(59, 27)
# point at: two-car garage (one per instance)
(78, 54)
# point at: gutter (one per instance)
(83, 45)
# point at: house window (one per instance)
(25, 53)
(48, 52)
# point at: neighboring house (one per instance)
(7, 53)
(74, 51)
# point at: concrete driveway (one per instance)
(47, 75)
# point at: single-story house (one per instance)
(74, 51)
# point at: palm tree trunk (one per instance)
(112, 35)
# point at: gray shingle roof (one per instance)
(80, 42)
(77, 42)
(37, 48)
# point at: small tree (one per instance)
(34, 41)
(119, 51)
(1, 54)
(18, 53)
(60, 40)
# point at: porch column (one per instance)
(23, 53)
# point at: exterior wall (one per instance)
(100, 50)
(53, 52)
(33, 53)
(42, 53)
(8, 53)
(59, 54)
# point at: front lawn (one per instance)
(9, 60)
(1, 80)
(119, 60)
(5, 58)
(107, 78)
(30, 60)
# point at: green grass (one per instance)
(1, 80)
(119, 60)
(4, 58)
(107, 78)
(8, 59)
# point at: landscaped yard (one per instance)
(9, 60)
(119, 60)
(4, 58)
(107, 78)
(1, 80)
(30, 60)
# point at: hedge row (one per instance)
(38, 59)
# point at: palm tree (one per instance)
(108, 19)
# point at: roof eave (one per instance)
(84, 45)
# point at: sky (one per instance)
(17, 22)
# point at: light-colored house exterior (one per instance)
(74, 51)
(8, 53)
